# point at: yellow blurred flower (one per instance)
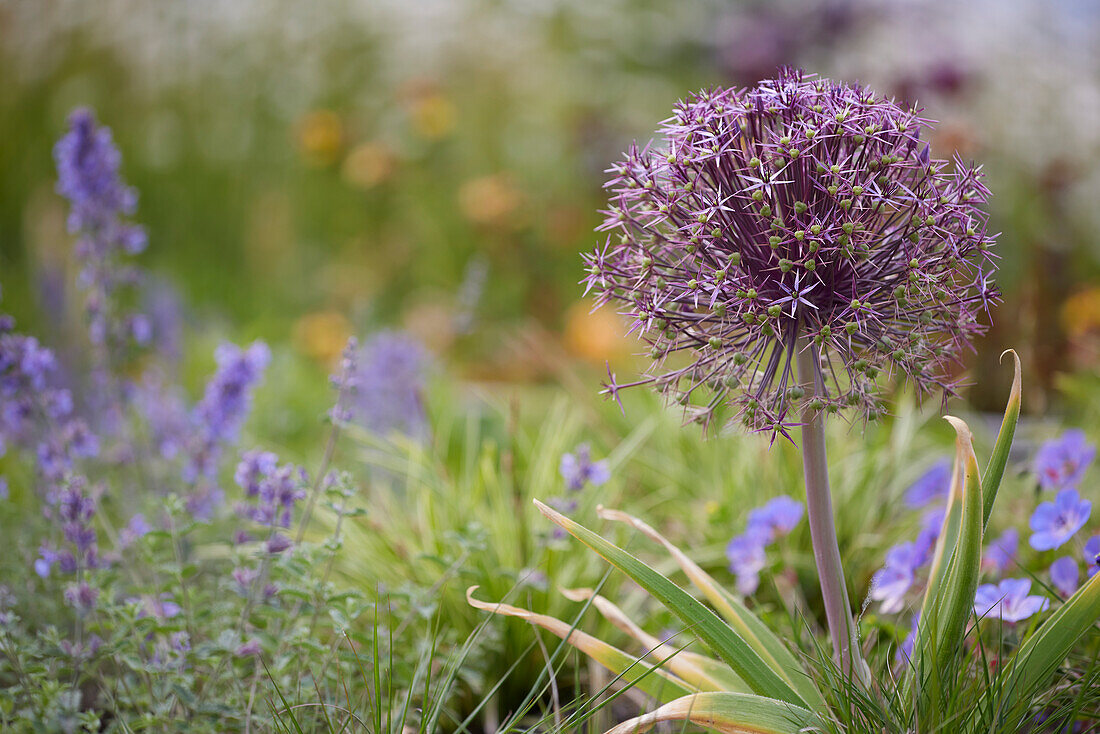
(368, 165)
(320, 136)
(489, 200)
(1081, 312)
(433, 115)
(712, 507)
(596, 336)
(321, 335)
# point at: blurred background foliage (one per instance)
(309, 170)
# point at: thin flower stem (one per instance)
(819, 509)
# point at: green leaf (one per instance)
(706, 674)
(1043, 651)
(751, 628)
(722, 640)
(948, 605)
(648, 678)
(731, 713)
(995, 470)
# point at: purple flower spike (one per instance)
(389, 386)
(800, 214)
(1008, 601)
(1001, 553)
(934, 484)
(1062, 462)
(1065, 575)
(1092, 555)
(1055, 522)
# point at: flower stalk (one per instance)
(819, 509)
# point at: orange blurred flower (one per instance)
(320, 136)
(489, 200)
(368, 165)
(321, 335)
(1081, 312)
(595, 336)
(433, 116)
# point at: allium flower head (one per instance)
(800, 214)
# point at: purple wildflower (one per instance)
(800, 214)
(137, 528)
(578, 469)
(345, 381)
(1008, 601)
(272, 491)
(1056, 522)
(1001, 553)
(390, 386)
(249, 649)
(4, 492)
(1065, 575)
(933, 485)
(775, 519)
(218, 417)
(88, 176)
(891, 583)
(1092, 555)
(1062, 462)
(904, 653)
(746, 558)
(82, 597)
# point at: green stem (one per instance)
(819, 509)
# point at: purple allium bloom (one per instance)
(775, 519)
(88, 176)
(746, 558)
(1055, 522)
(1008, 601)
(1092, 554)
(800, 214)
(934, 484)
(1065, 575)
(1062, 462)
(578, 469)
(390, 386)
(1001, 553)
(890, 583)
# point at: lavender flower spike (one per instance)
(390, 386)
(1056, 522)
(801, 212)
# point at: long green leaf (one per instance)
(706, 674)
(948, 605)
(751, 628)
(650, 679)
(722, 640)
(1042, 652)
(995, 470)
(730, 713)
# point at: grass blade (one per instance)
(751, 628)
(650, 679)
(732, 713)
(706, 674)
(722, 640)
(995, 470)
